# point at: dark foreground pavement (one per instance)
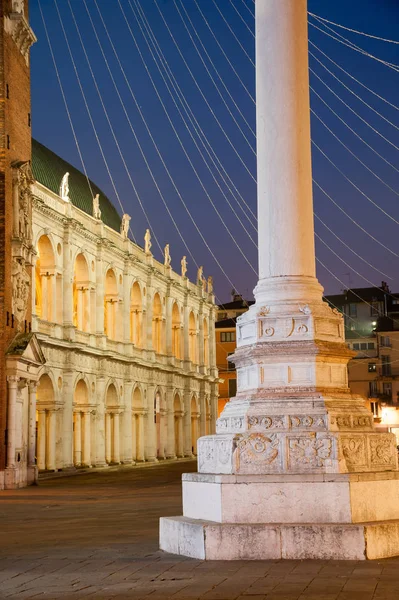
(95, 535)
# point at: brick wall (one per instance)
(15, 145)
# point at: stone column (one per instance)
(151, 429)
(51, 441)
(99, 292)
(77, 437)
(86, 451)
(180, 437)
(100, 421)
(168, 325)
(12, 385)
(41, 440)
(140, 437)
(127, 450)
(186, 333)
(148, 333)
(134, 436)
(187, 444)
(170, 416)
(285, 208)
(127, 285)
(200, 340)
(54, 298)
(32, 425)
(116, 458)
(67, 419)
(67, 277)
(108, 434)
(202, 404)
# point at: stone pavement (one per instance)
(95, 536)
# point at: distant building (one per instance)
(225, 327)
(371, 330)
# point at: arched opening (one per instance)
(81, 294)
(136, 316)
(46, 425)
(177, 409)
(194, 423)
(82, 425)
(193, 339)
(112, 426)
(48, 284)
(138, 425)
(206, 343)
(157, 325)
(176, 332)
(111, 305)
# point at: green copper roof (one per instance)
(49, 169)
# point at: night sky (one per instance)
(52, 128)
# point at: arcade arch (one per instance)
(112, 425)
(176, 332)
(83, 425)
(157, 325)
(111, 305)
(81, 294)
(136, 315)
(48, 283)
(46, 427)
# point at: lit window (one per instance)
(372, 367)
(228, 336)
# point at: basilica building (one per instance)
(107, 356)
(129, 344)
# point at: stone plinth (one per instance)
(206, 540)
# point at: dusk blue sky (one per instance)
(52, 128)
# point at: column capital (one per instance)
(13, 380)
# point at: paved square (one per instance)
(95, 535)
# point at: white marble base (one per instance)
(207, 540)
(304, 498)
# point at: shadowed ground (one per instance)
(95, 535)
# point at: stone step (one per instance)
(207, 540)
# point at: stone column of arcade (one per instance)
(295, 469)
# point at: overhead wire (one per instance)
(148, 34)
(174, 129)
(353, 111)
(349, 44)
(242, 18)
(354, 184)
(190, 161)
(353, 154)
(65, 100)
(352, 77)
(351, 249)
(248, 9)
(352, 92)
(233, 33)
(353, 131)
(374, 37)
(223, 52)
(88, 109)
(202, 94)
(217, 73)
(353, 220)
(112, 128)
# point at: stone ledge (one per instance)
(206, 540)
(290, 477)
(300, 499)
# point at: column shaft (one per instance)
(86, 454)
(51, 441)
(285, 208)
(77, 435)
(41, 440)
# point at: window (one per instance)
(230, 365)
(352, 310)
(373, 389)
(228, 336)
(386, 366)
(363, 346)
(356, 346)
(370, 346)
(375, 309)
(387, 389)
(232, 387)
(385, 341)
(395, 301)
(372, 367)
